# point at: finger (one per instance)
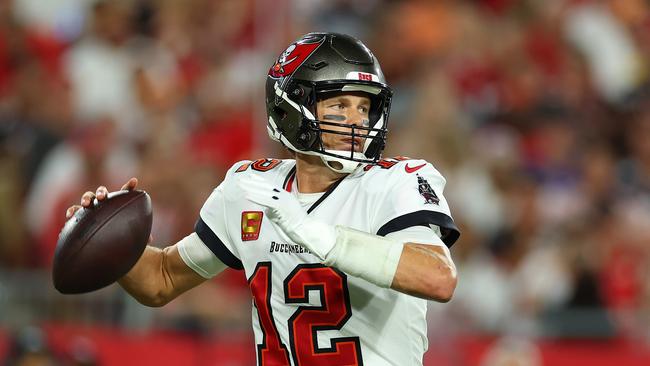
(263, 197)
(257, 191)
(259, 199)
(272, 214)
(87, 199)
(71, 210)
(101, 193)
(130, 185)
(256, 185)
(263, 189)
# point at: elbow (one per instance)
(154, 301)
(446, 291)
(146, 296)
(442, 286)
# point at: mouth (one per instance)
(350, 143)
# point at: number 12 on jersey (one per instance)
(306, 321)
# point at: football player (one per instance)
(341, 248)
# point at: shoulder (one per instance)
(271, 169)
(229, 190)
(407, 193)
(399, 170)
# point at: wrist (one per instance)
(317, 236)
(371, 257)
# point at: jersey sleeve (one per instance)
(199, 257)
(211, 226)
(420, 235)
(414, 197)
(429, 235)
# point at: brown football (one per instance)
(100, 244)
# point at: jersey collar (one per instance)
(288, 186)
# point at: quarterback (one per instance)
(341, 247)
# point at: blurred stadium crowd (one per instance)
(536, 112)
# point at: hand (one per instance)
(101, 193)
(285, 210)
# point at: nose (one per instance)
(357, 118)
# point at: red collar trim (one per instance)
(289, 183)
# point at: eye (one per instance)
(363, 110)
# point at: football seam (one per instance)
(71, 255)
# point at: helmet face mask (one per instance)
(322, 64)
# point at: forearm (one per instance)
(425, 271)
(148, 281)
(420, 270)
(160, 275)
(384, 261)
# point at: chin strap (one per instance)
(341, 165)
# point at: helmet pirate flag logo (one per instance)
(251, 222)
(427, 192)
(293, 57)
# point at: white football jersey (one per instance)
(307, 314)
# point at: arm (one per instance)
(425, 271)
(160, 275)
(392, 262)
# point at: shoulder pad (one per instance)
(402, 166)
(387, 163)
(271, 168)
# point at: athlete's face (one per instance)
(346, 109)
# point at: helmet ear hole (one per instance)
(304, 137)
(298, 92)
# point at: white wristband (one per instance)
(371, 257)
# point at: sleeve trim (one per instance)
(182, 250)
(448, 228)
(212, 241)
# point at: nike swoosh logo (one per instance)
(413, 169)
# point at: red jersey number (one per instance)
(261, 165)
(333, 313)
(305, 322)
(271, 352)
